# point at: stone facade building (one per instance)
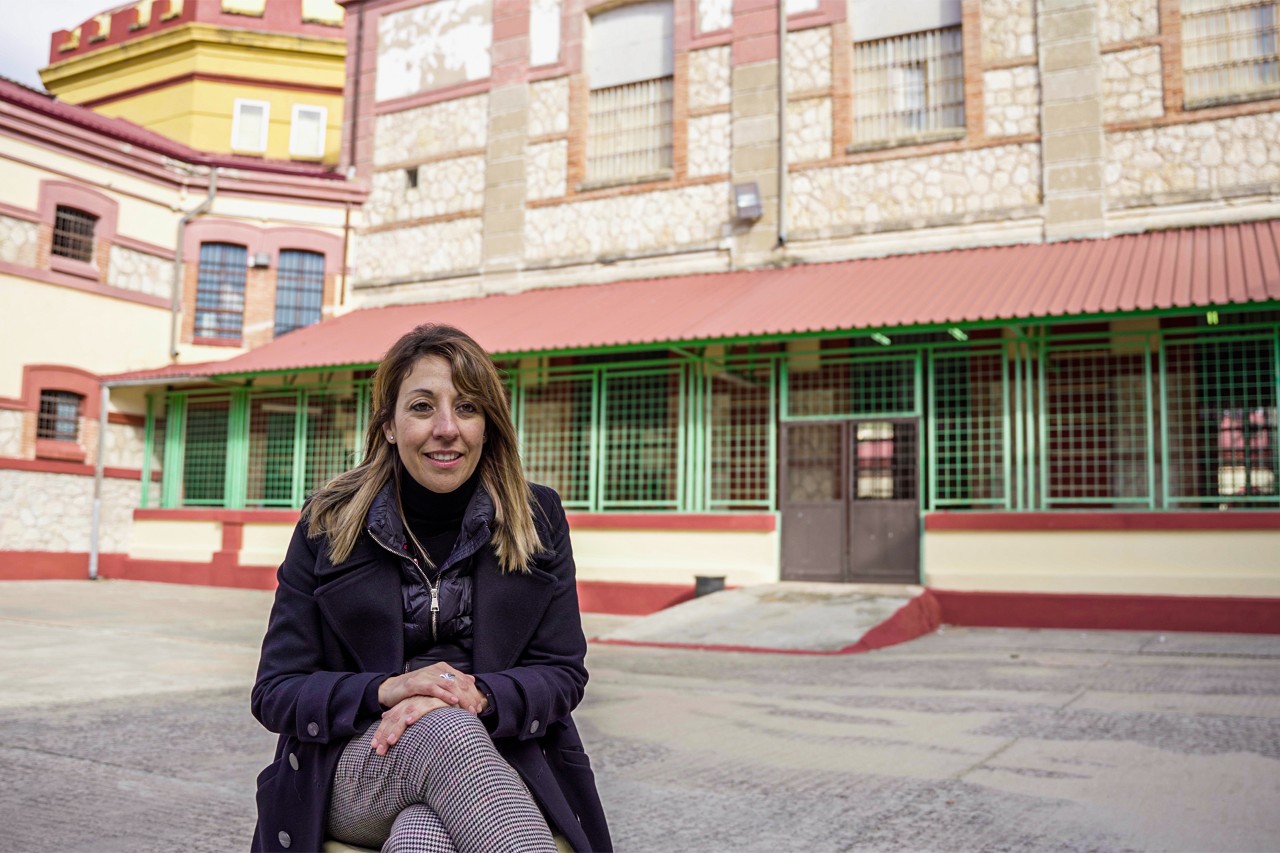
(979, 294)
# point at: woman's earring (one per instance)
(391, 439)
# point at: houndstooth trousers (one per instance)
(441, 788)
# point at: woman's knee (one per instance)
(449, 730)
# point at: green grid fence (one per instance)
(1220, 429)
(968, 396)
(846, 386)
(273, 427)
(206, 426)
(641, 454)
(333, 432)
(556, 429)
(741, 421)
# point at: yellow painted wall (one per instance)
(198, 112)
(44, 323)
(265, 544)
(1178, 562)
(187, 541)
(675, 557)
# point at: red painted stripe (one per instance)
(236, 516)
(727, 522)
(630, 599)
(218, 573)
(1110, 612)
(43, 565)
(1089, 520)
(50, 466)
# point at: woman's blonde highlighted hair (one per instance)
(338, 510)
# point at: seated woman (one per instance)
(425, 648)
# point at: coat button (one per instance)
(293, 761)
(284, 838)
(313, 729)
(533, 727)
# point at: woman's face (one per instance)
(438, 433)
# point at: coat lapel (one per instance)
(363, 609)
(507, 610)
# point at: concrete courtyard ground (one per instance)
(124, 726)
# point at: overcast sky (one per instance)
(25, 28)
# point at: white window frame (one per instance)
(235, 124)
(293, 130)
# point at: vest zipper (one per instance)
(434, 588)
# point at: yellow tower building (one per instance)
(229, 76)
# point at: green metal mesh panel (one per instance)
(968, 394)
(333, 436)
(814, 470)
(555, 418)
(842, 387)
(272, 427)
(741, 429)
(641, 439)
(1097, 433)
(204, 465)
(1221, 422)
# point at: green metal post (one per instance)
(595, 475)
(1040, 413)
(1006, 440)
(771, 450)
(1161, 363)
(1019, 440)
(1151, 425)
(174, 445)
(299, 469)
(235, 479)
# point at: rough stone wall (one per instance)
(419, 251)
(1008, 30)
(809, 60)
(53, 512)
(125, 446)
(1132, 85)
(1126, 20)
(445, 186)
(11, 427)
(433, 45)
(953, 187)
(714, 15)
(546, 170)
(710, 145)
(710, 78)
(413, 135)
(140, 272)
(1190, 162)
(808, 130)
(549, 107)
(627, 224)
(1011, 101)
(18, 241)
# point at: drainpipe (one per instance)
(95, 526)
(175, 304)
(782, 123)
(353, 127)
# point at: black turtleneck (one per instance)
(436, 517)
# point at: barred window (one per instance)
(220, 291)
(1229, 50)
(299, 289)
(59, 418)
(73, 232)
(632, 86)
(908, 86)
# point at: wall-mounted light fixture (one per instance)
(958, 333)
(882, 340)
(746, 201)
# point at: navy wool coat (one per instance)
(336, 630)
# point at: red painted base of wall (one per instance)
(53, 565)
(218, 573)
(1110, 612)
(630, 599)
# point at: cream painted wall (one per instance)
(1177, 562)
(675, 557)
(187, 541)
(44, 323)
(265, 544)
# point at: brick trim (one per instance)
(74, 469)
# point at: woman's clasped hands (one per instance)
(413, 695)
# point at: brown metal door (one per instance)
(814, 485)
(850, 508)
(884, 507)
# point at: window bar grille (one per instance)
(643, 432)
(845, 386)
(204, 453)
(332, 435)
(1229, 48)
(73, 232)
(59, 417)
(556, 430)
(739, 406)
(909, 85)
(630, 130)
(220, 285)
(272, 436)
(299, 290)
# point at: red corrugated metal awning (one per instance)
(1188, 268)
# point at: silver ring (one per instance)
(447, 675)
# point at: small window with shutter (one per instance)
(249, 125)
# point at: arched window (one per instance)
(299, 289)
(220, 291)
